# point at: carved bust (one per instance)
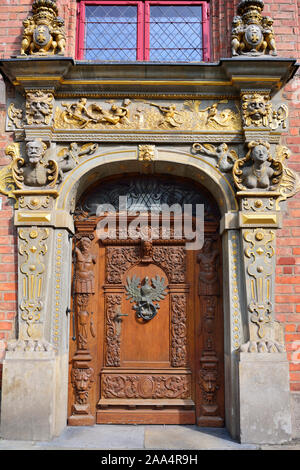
(36, 171)
(208, 275)
(258, 170)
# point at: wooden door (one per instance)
(156, 360)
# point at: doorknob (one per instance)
(119, 315)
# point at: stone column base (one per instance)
(265, 410)
(28, 395)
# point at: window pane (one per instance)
(176, 33)
(110, 32)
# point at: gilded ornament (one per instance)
(146, 153)
(39, 107)
(15, 116)
(43, 32)
(142, 114)
(258, 111)
(252, 33)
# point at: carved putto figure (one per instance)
(258, 170)
(43, 32)
(39, 106)
(69, 158)
(252, 33)
(225, 157)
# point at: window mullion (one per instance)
(140, 31)
(147, 31)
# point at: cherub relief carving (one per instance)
(69, 158)
(225, 157)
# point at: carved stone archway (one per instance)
(216, 143)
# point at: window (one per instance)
(158, 31)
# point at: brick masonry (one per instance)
(286, 24)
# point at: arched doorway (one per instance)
(146, 343)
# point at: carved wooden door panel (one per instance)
(148, 324)
(147, 372)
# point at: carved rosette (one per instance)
(146, 386)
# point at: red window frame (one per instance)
(143, 24)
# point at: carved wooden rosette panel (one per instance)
(146, 386)
(209, 374)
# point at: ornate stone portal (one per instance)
(221, 129)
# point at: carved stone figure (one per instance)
(69, 158)
(258, 168)
(225, 157)
(36, 170)
(208, 275)
(170, 115)
(252, 34)
(43, 32)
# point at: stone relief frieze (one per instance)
(144, 114)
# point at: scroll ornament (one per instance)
(252, 33)
(43, 32)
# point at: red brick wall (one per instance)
(286, 16)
